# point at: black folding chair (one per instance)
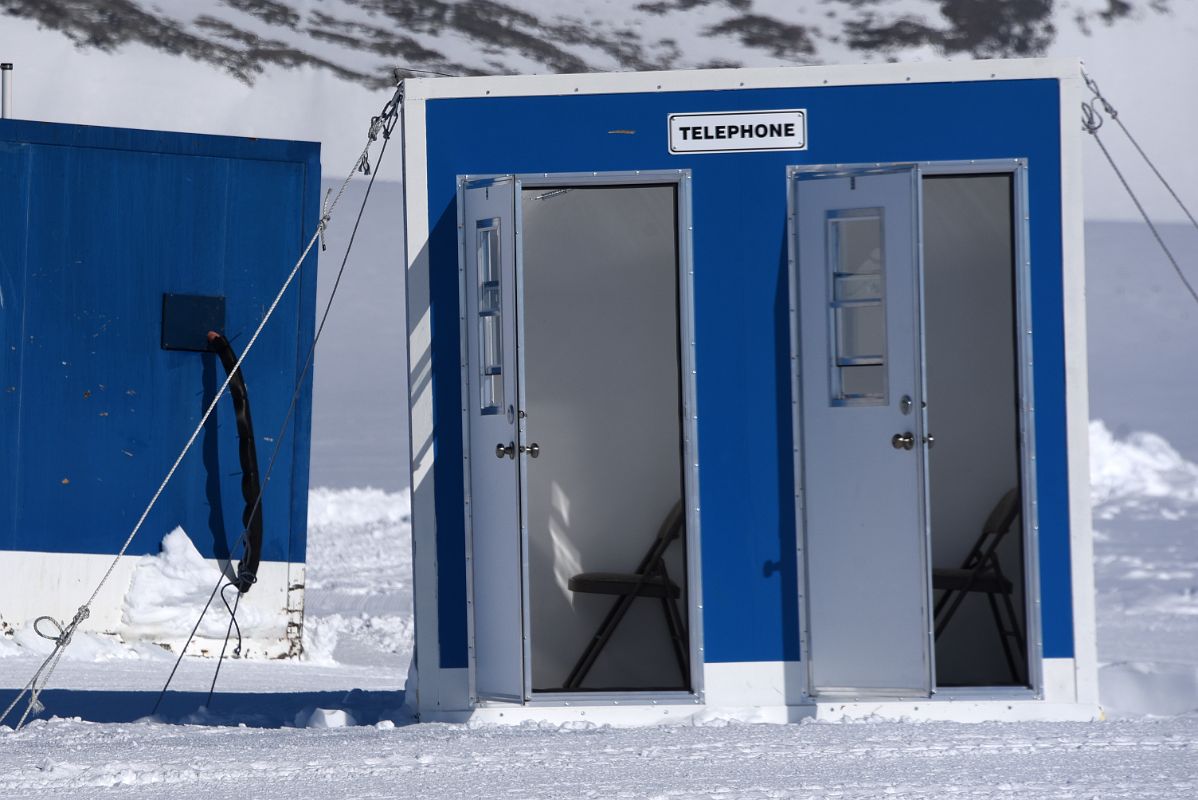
(981, 572)
(651, 580)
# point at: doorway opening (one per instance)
(601, 377)
(973, 411)
(907, 281)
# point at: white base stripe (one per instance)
(56, 584)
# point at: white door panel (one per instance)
(864, 528)
(489, 241)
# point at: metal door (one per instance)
(488, 237)
(862, 433)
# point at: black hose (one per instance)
(251, 518)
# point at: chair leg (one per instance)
(677, 635)
(939, 607)
(952, 609)
(1016, 630)
(1001, 628)
(599, 641)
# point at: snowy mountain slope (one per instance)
(312, 69)
(361, 40)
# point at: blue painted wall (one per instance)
(95, 225)
(741, 310)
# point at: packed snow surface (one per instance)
(1141, 759)
(332, 724)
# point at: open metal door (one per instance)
(863, 446)
(488, 234)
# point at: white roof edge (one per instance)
(741, 78)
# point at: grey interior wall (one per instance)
(601, 376)
(972, 399)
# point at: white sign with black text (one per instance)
(737, 131)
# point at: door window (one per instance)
(490, 316)
(856, 308)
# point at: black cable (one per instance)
(194, 628)
(247, 453)
(232, 624)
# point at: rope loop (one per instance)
(1092, 85)
(58, 640)
(65, 632)
(1091, 119)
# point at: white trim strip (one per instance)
(739, 78)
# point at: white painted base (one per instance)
(770, 692)
(56, 584)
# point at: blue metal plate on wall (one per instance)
(187, 319)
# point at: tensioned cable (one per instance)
(1114, 115)
(41, 676)
(1091, 121)
(389, 117)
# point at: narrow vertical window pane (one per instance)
(856, 263)
(490, 316)
(859, 244)
(860, 333)
(862, 381)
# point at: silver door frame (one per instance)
(1017, 167)
(681, 178)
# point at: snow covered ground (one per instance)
(1142, 759)
(332, 724)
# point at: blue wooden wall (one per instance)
(96, 225)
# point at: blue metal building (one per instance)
(114, 245)
(750, 389)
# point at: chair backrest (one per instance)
(1003, 515)
(671, 528)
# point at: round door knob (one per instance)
(508, 450)
(929, 440)
(903, 441)
(533, 449)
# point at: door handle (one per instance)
(533, 449)
(929, 440)
(508, 450)
(903, 441)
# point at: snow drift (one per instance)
(1140, 474)
(168, 590)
